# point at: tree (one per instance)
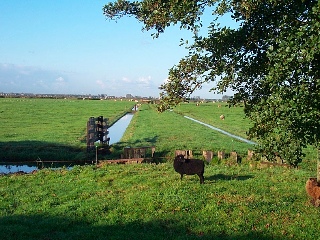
(271, 61)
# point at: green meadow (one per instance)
(170, 131)
(210, 113)
(148, 201)
(51, 129)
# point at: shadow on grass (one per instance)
(52, 228)
(28, 151)
(117, 148)
(229, 177)
(36, 151)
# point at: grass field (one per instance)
(169, 131)
(148, 201)
(234, 122)
(51, 129)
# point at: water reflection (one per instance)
(117, 130)
(28, 168)
(5, 169)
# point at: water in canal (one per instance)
(116, 132)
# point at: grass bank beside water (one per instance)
(51, 129)
(170, 131)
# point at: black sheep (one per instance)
(189, 167)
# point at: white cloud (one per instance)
(60, 85)
(125, 79)
(16, 78)
(144, 80)
(60, 80)
(29, 79)
(101, 84)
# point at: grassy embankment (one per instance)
(234, 122)
(169, 131)
(148, 201)
(49, 129)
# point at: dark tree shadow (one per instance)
(117, 148)
(31, 151)
(44, 154)
(48, 227)
(150, 141)
(229, 177)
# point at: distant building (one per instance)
(196, 98)
(225, 98)
(129, 96)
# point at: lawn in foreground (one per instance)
(148, 201)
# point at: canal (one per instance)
(116, 132)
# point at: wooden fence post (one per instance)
(186, 153)
(208, 155)
(234, 156)
(250, 154)
(221, 155)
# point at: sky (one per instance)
(69, 47)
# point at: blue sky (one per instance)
(58, 46)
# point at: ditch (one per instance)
(116, 132)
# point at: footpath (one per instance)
(221, 131)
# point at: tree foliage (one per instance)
(271, 62)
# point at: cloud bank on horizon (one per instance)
(26, 79)
(68, 47)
